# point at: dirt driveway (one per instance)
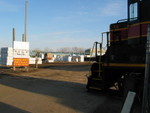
(53, 88)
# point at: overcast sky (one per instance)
(59, 23)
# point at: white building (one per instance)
(91, 52)
(6, 56)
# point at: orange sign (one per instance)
(21, 62)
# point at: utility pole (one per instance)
(26, 20)
(146, 91)
(14, 39)
(25, 36)
(14, 34)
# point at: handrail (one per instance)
(122, 20)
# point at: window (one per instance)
(133, 11)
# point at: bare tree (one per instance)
(35, 52)
(75, 49)
(81, 50)
(71, 50)
(48, 50)
(64, 49)
(51, 50)
(68, 49)
(78, 50)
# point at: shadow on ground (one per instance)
(72, 95)
(5, 108)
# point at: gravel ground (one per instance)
(53, 88)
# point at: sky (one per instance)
(56, 24)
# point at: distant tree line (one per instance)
(63, 50)
(71, 50)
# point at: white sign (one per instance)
(21, 53)
(21, 45)
(21, 49)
